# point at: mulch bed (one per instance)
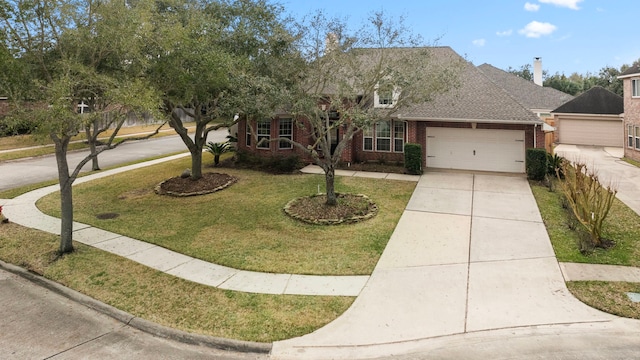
(209, 183)
(351, 208)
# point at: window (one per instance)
(367, 135)
(398, 136)
(264, 132)
(630, 136)
(637, 137)
(248, 134)
(389, 136)
(635, 87)
(286, 131)
(385, 97)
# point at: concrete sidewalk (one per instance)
(469, 255)
(23, 211)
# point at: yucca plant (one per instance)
(217, 149)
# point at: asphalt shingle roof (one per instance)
(526, 92)
(596, 100)
(635, 69)
(477, 99)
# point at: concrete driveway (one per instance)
(470, 255)
(607, 161)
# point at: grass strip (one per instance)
(167, 300)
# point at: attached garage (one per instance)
(599, 130)
(476, 149)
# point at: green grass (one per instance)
(609, 297)
(632, 162)
(243, 226)
(165, 299)
(622, 226)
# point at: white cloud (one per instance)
(571, 4)
(479, 42)
(531, 7)
(505, 33)
(537, 29)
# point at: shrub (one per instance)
(536, 164)
(589, 200)
(272, 164)
(554, 165)
(217, 149)
(413, 158)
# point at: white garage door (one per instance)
(476, 149)
(591, 132)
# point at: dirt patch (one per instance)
(209, 183)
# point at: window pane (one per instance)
(383, 129)
(264, 132)
(286, 131)
(383, 144)
(398, 145)
(368, 144)
(637, 130)
(248, 134)
(635, 87)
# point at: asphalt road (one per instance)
(36, 323)
(35, 170)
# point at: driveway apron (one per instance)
(469, 254)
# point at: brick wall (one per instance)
(631, 117)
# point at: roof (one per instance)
(478, 99)
(526, 92)
(634, 70)
(596, 100)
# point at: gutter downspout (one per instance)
(535, 136)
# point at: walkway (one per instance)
(22, 210)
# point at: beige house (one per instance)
(631, 85)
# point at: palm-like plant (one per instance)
(217, 149)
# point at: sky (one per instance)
(570, 36)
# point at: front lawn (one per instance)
(166, 299)
(243, 226)
(622, 226)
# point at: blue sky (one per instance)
(569, 35)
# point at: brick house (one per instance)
(631, 86)
(477, 126)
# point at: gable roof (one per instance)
(596, 100)
(634, 70)
(526, 92)
(478, 99)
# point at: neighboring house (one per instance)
(475, 127)
(593, 118)
(631, 86)
(538, 99)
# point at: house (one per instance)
(477, 126)
(538, 99)
(593, 118)
(631, 116)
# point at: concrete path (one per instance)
(23, 211)
(607, 162)
(469, 255)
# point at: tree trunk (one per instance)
(196, 164)
(330, 175)
(66, 197)
(91, 139)
(216, 160)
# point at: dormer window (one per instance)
(385, 96)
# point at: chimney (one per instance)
(537, 71)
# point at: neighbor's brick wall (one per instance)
(631, 117)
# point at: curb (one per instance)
(139, 323)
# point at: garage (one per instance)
(476, 149)
(593, 118)
(585, 130)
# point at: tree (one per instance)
(562, 83)
(213, 61)
(343, 71)
(53, 39)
